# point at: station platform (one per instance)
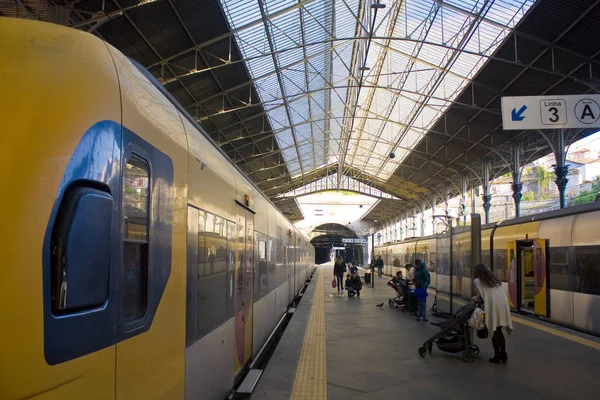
(343, 348)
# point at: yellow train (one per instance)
(549, 263)
(137, 262)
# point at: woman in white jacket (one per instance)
(497, 310)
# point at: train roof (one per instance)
(192, 120)
(564, 212)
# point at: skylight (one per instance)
(307, 57)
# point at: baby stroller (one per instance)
(402, 292)
(455, 336)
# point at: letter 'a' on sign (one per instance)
(587, 111)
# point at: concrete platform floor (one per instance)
(371, 353)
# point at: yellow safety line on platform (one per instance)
(556, 332)
(311, 375)
(535, 325)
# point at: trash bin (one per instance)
(367, 277)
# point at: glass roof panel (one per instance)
(320, 78)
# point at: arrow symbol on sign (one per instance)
(518, 115)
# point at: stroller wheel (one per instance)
(468, 356)
(422, 351)
(391, 303)
(475, 350)
(430, 347)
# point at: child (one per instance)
(421, 296)
(353, 285)
(396, 280)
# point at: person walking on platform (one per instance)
(379, 266)
(422, 274)
(339, 268)
(496, 308)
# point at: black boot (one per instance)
(503, 358)
(496, 359)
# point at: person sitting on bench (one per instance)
(353, 285)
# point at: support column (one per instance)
(423, 208)
(463, 198)
(446, 196)
(561, 169)
(516, 187)
(473, 204)
(433, 204)
(487, 197)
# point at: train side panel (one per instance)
(151, 364)
(210, 324)
(52, 96)
(586, 282)
(214, 185)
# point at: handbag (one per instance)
(483, 333)
(334, 283)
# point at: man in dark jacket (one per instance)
(339, 267)
(422, 274)
(379, 266)
(353, 285)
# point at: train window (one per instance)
(271, 253)
(500, 264)
(587, 278)
(559, 268)
(203, 216)
(485, 258)
(231, 234)
(136, 210)
(261, 277)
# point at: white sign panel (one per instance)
(551, 112)
(353, 241)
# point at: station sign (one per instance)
(551, 112)
(361, 241)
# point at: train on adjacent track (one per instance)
(137, 261)
(549, 263)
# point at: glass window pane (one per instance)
(135, 193)
(133, 280)
(134, 271)
(231, 233)
(588, 270)
(210, 223)
(201, 255)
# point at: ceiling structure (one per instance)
(400, 96)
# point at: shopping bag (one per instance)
(334, 283)
(477, 320)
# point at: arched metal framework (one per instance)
(309, 90)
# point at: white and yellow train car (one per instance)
(396, 255)
(138, 263)
(549, 263)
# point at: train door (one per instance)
(146, 339)
(528, 276)
(513, 285)
(540, 273)
(244, 267)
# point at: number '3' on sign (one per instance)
(553, 112)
